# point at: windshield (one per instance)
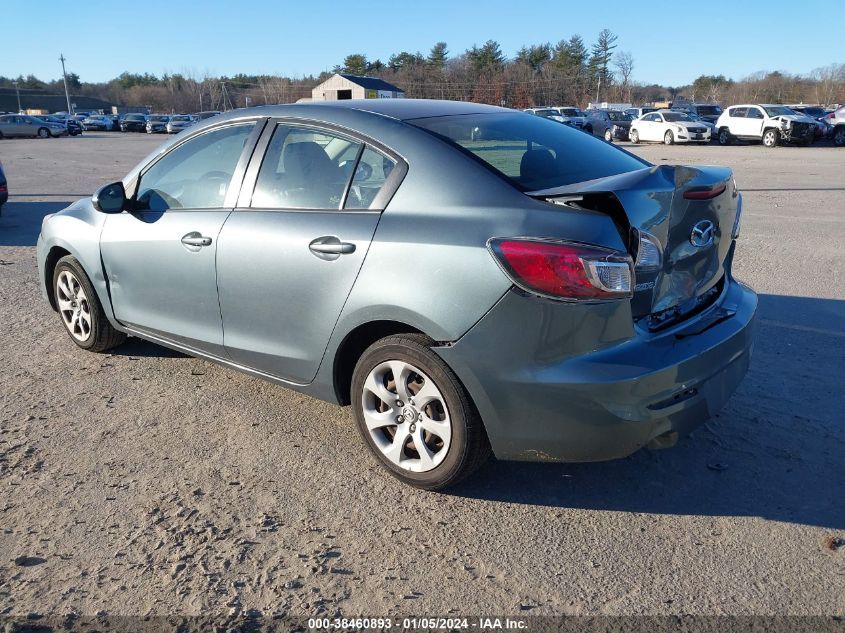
(158, 117)
(708, 110)
(777, 110)
(182, 117)
(531, 152)
(619, 116)
(676, 116)
(134, 117)
(569, 112)
(546, 113)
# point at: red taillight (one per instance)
(705, 193)
(565, 270)
(4, 189)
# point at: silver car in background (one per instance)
(179, 122)
(468, 278)
(25, 125)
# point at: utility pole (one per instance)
(18, 92)
(64, 78)
(247, 101)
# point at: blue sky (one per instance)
(672, 41)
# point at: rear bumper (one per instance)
(602, 404)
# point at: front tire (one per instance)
(414, 414)
(839, 136)
(635, 137)
(80, 310)
(669, 138)
(608, 136)
(771, 137)
(43, 132)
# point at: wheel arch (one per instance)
(353, 346)
(50, 263)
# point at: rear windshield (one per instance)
(532, 152)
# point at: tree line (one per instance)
(569, 72)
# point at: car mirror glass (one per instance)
(110, 198)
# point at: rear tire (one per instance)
(839, 136)
(669, 138)
(80, 310)
(443, 419)
(724, 136)
(771, 137)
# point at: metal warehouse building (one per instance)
(340, 86)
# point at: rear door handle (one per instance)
(329, 247)
(195, 238)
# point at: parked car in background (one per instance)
(157, 123)
(207, 114)
(770, 123)
(99, 122)
(72, 128)
(179, 122)
(711, 127)
(568, 301)
(608, 124)
(636, 113)
(134, 123)
(707, 111)
(572, 116)
(669, 127)
(818, 113)
(25, 125)
(546, 113)
(4, 188)
(836, 120)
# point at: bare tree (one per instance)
(624, 62)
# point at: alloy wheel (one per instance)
(406, 416)
(73, 306)
(839, 137)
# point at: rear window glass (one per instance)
(532, 152)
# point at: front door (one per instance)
(289, 255)
(160, 257)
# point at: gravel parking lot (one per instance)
(145, 482)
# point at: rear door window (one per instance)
(370, 175)
(305, 168)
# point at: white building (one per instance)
(340, 86)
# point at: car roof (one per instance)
(400, 109)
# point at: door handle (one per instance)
(194, 238)
(330, 247)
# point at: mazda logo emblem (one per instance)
(702, 234)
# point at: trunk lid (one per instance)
(695, 235)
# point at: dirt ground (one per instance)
(146, 482)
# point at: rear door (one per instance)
(289, 254)
(160, 257)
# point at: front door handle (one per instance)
(330, 247)
(195, 238)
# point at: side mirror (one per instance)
(110, 198)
